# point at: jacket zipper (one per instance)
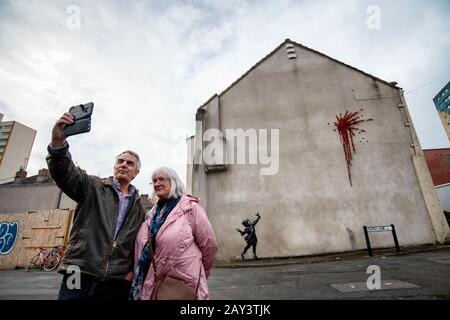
(107, 261)
(113, 246)
(118, 232)
(115, 240)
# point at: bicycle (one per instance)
(46, 260)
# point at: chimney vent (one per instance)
(21, 175)
(290, 50)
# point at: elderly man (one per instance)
(106, 221)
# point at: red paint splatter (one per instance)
(346, 126)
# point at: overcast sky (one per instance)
(148, 65)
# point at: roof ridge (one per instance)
(345, 64)
(286, 41)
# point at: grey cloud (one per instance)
(148, 65)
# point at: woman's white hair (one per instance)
(177, 188)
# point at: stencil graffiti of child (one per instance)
(250, 235)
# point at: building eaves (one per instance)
(209, 100)
(301, 46)
(26, 184)
(245, 74)
(436, 149)
(347, 65)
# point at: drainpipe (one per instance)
(432, 203)
(59, 199)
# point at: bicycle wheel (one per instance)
(34, 263)
(51, 262)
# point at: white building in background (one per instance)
(16, 141)
(313, 185)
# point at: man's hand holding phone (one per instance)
(76, 121)
(58, 135)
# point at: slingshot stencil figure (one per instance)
(250, 235)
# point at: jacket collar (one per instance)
(110, 182)
(131, 189)
(185, 204)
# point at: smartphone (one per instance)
(82, 114)
(80, 126)
(82, 111)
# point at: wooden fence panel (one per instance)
(21, 235)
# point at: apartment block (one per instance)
(16, 141)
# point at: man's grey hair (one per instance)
(134, 154)
(177, 188)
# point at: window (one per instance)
(448, 158)
(6, 128)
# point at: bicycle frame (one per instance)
(43, 255)
(45, 259)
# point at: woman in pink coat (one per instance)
(183, 240)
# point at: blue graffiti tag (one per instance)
(8, 236)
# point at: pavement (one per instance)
(350, 255)
(415, 273)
